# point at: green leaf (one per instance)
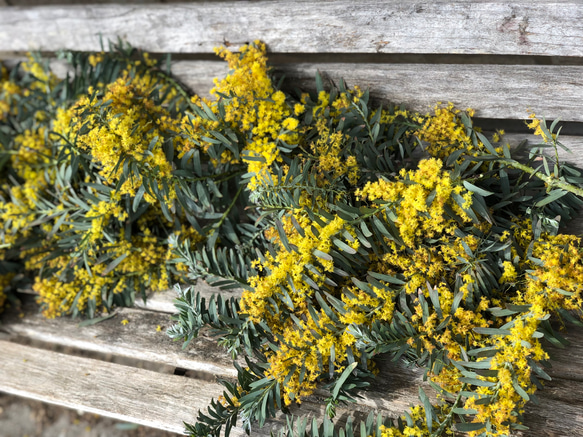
(477, 382)
(112, 265)
(282, 235)
(478, 190)
(428, 409)
(322, 255)
(138, 198)
(523, 394)
(484, 364)
(343, 246)
(386, 278)
(464, 411)
(486, 143)
(491, 331)
(319, 82)
(466, 427)
(551, 197)
(349, 369)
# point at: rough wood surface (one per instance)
(494, 91)
(523, 27)
(142, 340)
(151, 398)
(125, 393)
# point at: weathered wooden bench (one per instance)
(500, 58)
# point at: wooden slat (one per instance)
(122, 392)
(137, 340)
(523, 27)
(494, 91)
(574, 143)
(394, 390)
(163, 401)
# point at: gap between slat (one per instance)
(359, 58)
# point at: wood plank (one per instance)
(494, 91)
(393, 391)
(522, 27)
(122, 392)
(146, 397)
(139, 339)
(163, 401)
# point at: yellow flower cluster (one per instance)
(255, 108)
(445, 132)
(123, 121)
(357, 239)
(130, 127)
(419, 200)
(535, 125)
(416, 425)
(418, 215)
(328, 149)
(306, 344)
(8, 91)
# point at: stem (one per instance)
(449, 417)
(228, 210)
(551, 182)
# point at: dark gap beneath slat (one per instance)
(368, 58)
(519, 126)
(396, 58)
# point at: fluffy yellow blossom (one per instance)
(418, 215)
(259, 111)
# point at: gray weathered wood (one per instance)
(523, 27)
(162, 401)
(125, 393)
(494, 91)
(393, 391)
(574, 143)
(139, 340)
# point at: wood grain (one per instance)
(523, 27)
(162, 401)
(122, 392)
(494, 91)
(139, 340)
